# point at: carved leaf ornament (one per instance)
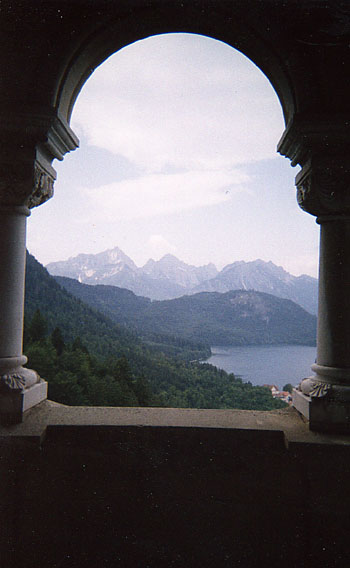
(12, 381)
(43, 188)
(17, 190)
(319, 390)
(314, 388)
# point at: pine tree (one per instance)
(78, 345)
(37, 327)
(143, 391)
(58, 341)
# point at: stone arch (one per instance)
(307, 130)
(48, 50)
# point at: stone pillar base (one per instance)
(14, 403)
(325, 414)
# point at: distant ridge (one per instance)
(238, 317)
(170, 278)
(264, 277)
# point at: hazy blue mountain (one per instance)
(264, 277)
(170, 278)
(94, 267)
(171, 268)
(237, 317)
(166, 278)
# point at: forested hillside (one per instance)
(87, 359)
(99, 334)
(238, 317)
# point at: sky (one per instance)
(178, 137)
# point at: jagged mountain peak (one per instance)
(252, 263)
(170, 260)
(114, 256)
(170, 257)
(258, 266)
(265, 277)
(170, 268)
(232, 265)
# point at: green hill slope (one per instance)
(75, 318)
(238, 317)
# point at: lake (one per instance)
(266, 364)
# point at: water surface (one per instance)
(266, 364)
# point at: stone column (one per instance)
(28, 145)
(23, 184)
(325, 397)
(20, 388)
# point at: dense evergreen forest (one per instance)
(89, 360)
(238, 317)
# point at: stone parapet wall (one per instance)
(172, 487)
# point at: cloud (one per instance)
(158, 246)
(163, 194)
(180, 101)
(302, 264)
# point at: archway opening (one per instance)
(178, 157)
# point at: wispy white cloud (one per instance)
(164, 194)
(186, 104)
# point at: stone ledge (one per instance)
(289, 423)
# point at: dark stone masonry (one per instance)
(170, 487)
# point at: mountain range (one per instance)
(103, 335)
(170, 277)
(106, 364)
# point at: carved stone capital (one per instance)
(42, 188)
(309, 137)
(25, 184)
(323, 188)
(28, 145)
